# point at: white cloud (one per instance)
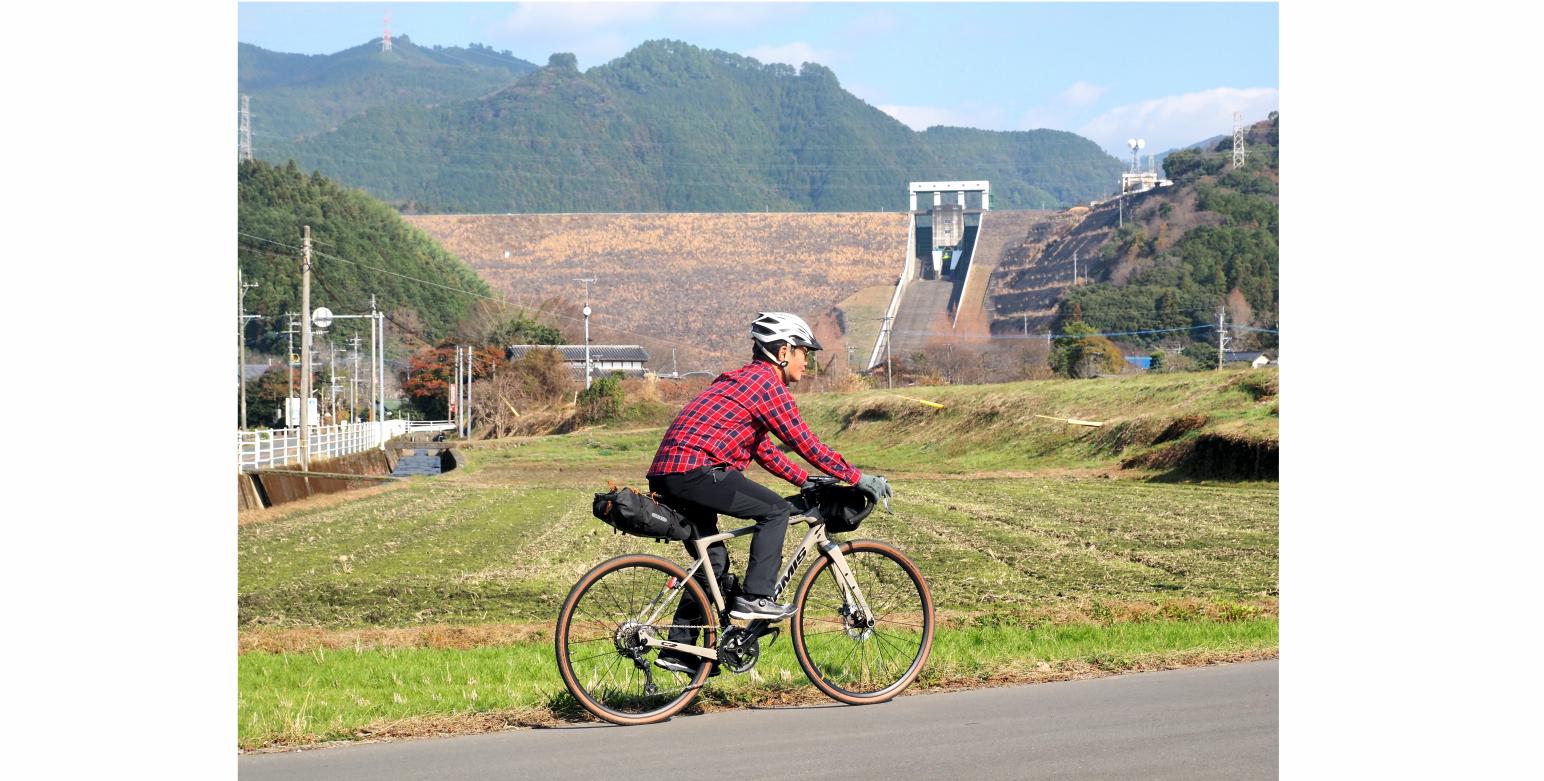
(593, 32)
(1062, 111)
(921, 117)
(874, 23)
(732, 15)
(1082, 93)
(561, 17)
(1179, 120)
(795, 54)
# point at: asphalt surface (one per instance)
(1209, 722)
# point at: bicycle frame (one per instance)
(813, 539)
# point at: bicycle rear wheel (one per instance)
(857, 659)
(599, 640)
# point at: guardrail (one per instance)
(908, 272)
(281, 446)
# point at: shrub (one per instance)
(602, 401)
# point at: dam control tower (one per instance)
(942, 229)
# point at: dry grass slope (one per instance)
(692, 278)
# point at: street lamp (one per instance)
(586, 346)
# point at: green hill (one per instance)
(295, 95)
(360, 247)
(1211, 240)
(672, 127)
(1164, 261)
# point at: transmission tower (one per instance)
(1238, 140)
(386, 36)
(246, 128)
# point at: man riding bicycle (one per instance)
(699, 468)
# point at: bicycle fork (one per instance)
(855, 611)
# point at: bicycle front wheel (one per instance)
(601, 632)
(864, 659)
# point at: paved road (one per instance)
(1210, 722)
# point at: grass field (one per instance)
(427, 606)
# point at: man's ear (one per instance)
(784, 352)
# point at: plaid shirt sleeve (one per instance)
(778, 412)
(778, 464)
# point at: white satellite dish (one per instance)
(1131, 142)
(322, 317)
(1141, 143)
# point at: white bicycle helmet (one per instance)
(770, 327)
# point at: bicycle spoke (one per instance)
(863, 659)
(612, 683)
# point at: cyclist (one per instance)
(699, 469)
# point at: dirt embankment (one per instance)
(1192, 425)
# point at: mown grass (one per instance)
(1039, 563)
(301, 698)
(462, 552)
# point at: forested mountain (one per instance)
(1211, 241)
(672, 127)
(360, 247)
(297, 94)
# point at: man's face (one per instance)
(796, 358)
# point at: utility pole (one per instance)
(1074, 268)
(470, 368)
(1222, 335)
(889, 366)
(289, 361)
(353, 383)
(374, 331)
(332, 379)
(586, 281)
(241, 339)
(450, 391)
(305, 349)
(381, 357)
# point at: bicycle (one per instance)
(861, 635)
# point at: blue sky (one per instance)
(1172, 73)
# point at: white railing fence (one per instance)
(281, 446)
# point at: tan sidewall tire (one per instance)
(798, 627)
(560, 638)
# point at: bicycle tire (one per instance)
(846, 663)
(609, 685)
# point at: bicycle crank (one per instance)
(739, 650)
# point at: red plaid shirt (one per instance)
(728, 424)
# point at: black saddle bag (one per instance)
(630, 512)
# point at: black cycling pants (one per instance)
(701, 495)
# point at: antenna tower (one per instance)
(246, 128)
(386, 36)
(1238, 139)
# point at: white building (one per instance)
(629, 359)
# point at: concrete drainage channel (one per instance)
(425, 461)
(401, 458)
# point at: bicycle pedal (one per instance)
(772, 635)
